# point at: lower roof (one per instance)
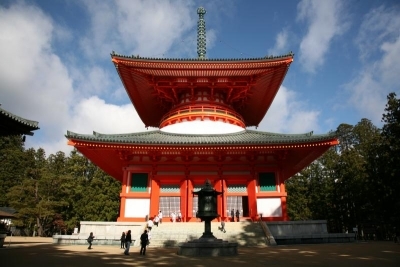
(11, 124)
(114, 152)
(244, 137)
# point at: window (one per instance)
(267, 181)
(169, 205)
(139, 182)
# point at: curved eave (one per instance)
(11, 124)
(107, 151)
(159, 138)
(266, 74)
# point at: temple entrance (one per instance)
(169, 204)
(235, 203)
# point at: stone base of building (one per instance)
(211, 247)
(305, 232)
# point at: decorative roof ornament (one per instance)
(201, 33)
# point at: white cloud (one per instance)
(288, 115)
(325, 20)
(379, 25)
(94, 114)
(34, 82)
(38, 85)
(378, 42)
(281, 44)
(148, 27)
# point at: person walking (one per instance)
(160, 216)
(128, 241)
(144, 239)
(90, 240)
(173, 217)
(237, 215)
(233, 215)
(156, 220)
(149, 224)
(123, 240)
(222, 228)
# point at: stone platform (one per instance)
(208, 247)
(105, 233)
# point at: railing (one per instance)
(270, 239)
(218, 112)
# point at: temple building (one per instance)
(202, 108)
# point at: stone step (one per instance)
(171, 234)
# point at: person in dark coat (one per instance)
(128, 241)
(90, 240)
(237, 215)
(144, 239)
(123, 240)
(233, 215)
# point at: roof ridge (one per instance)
(272, 57)
(20, 119)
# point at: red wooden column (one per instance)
(218, 187)
(154, 196)
(191, 216)
(123, 195)
(285, 216)
(183, 197)
(251, 193)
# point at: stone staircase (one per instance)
(170, 234)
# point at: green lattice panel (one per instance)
(267, 181)
(139, 182)
(169, 189)
(238, 188)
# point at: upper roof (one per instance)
(245, 137)
(250, 84)
(11, 124)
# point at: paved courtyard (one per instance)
(36, 251)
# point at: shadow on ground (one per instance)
(355, 254)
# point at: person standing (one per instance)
(144, 239)
(179, 216)
(90, 240)
(160, 216)
(128, 241)
(123, 240)
(237, 215)
(173, 217)
(233, 215)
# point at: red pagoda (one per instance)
(202, 108)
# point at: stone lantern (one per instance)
(207, 207)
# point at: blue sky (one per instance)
(56, 68)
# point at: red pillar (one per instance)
(251, 192)
(122, 195)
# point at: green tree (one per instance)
(12, 165)
(36, 198)
(389, 166)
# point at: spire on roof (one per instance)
(201, 33)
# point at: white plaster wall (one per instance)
(202, 127)
(269, 207)
(137, 207)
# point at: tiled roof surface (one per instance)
(11, 124)
(163, 138)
